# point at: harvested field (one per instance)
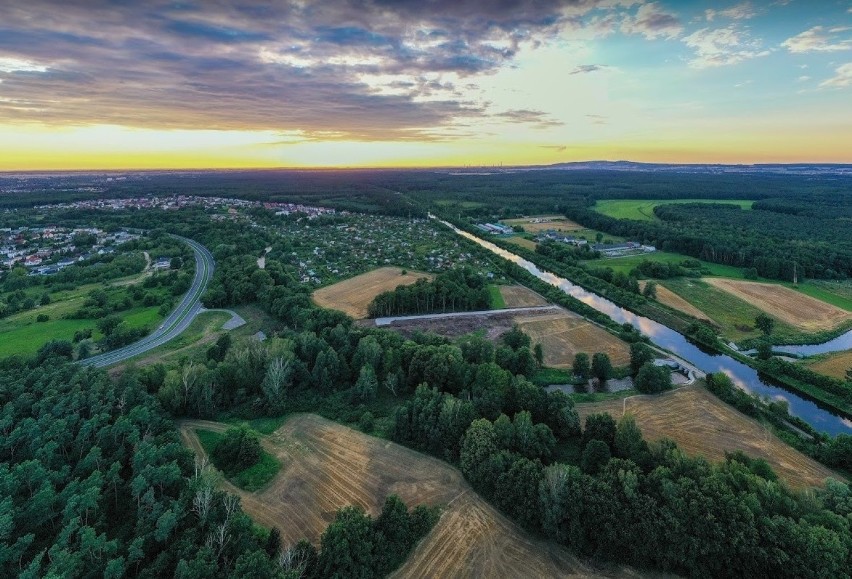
(518, 296)
(353, 296)
(701, 424)
(327, 466)
(834, 365)
(790, 306)
(545, 223)
(674, 301)
(564, 334)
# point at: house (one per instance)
(162, 263)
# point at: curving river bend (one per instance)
(822, 419)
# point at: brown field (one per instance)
(674, 301)
(327, 466)
(701, 424)
(518, 296)
(556, 223)
(564, 334)
(353, 296)
(834, 365)
(790, 306)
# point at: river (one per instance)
(745, 377)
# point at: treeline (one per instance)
(457, 290)
(776, 245)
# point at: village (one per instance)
(47, 250)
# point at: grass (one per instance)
(496, 298)
(627, 263)
(548, 376)
(589, 397)
(643, 209)
(202, 326)
(254, 477)
(21, 334)
(522, 241)
(265, 425)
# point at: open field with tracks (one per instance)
(643, 209)
(522, 242)
(518, 296)
(544, 223)
(701, 424)
(353, 296)
(671, 299)
(327, 466)
(834, 365)
(563, 334)
(794, 308)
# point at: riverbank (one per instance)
(823, 416)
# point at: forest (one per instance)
(457, 290)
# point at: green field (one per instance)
(21, 334)
(251, 479)
(627, 263)
(497, 301)
(734, 316)
(643, 209)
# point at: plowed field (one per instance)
(834, 365)
(564, 334)
(797, 309)
(701, 424)
(327, 466)
(353, 296)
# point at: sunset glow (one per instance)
(88, 86)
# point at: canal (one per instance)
(745, 377)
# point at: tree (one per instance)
(538, 354)
(347, 545)
(640, 354)
(764, 323)
(764, 350)
(480, 442)
(601, 367)
(238, 450)
(650, 290)
(629, 443)
(108, 324)
(367, 385)
(595, 456)
(600, 427)
(581, 367)
(652, 379)
(849, 375)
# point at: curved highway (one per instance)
(176, 322)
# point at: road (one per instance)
(176, 322)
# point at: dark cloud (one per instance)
(538, 119)
(367, 69)
(586, 68)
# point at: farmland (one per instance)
(835, 365)
(518, 296)
(794, 308)
(353, 296)
(522, 242)
(626, 263)
(538, 224)
(564, 334)
(703, 425)
(734, 316)
(671, 299)
(327, 466)
(643, 209)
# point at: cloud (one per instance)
(538, 119)
(597, 119)
(820, 39)
(722, 46)
(587, 68)
(743, 11)
(364, 69)
(652, 22)
(841, 79)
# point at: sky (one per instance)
(301, 83)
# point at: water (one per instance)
(838, 344)
(747, 378)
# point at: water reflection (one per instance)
(742, 376)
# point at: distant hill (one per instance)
(792, 169)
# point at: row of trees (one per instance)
(456, 290)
